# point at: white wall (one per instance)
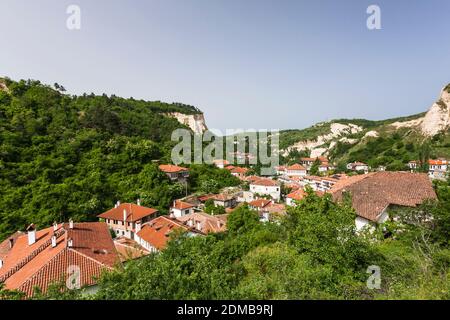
(273, 191)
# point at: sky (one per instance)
(250, 64)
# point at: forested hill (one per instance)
(67, 156)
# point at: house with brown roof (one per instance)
(126, 219)
(181, 208)
(238, 172)
(298, 195)
(437, 168)
(296, 170)
(374, 193)
(72, 253)
(259, 204)
(265, 186)
(155, 234)
(129, 249)
(205, 223)
(175, 173)
(224, 200)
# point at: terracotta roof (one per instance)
(181, 205)
(170, 168)
(239, 170)
(265, 182)
(208, 223)
(222, 197)
(372, 193)
(129, 249)
(297, 195)
(296, 167)
(157, 232)
(279, 208)
(205, 197)
(5, 246)
(40, 264)
(134, 212)
(252, 178)
(437, 162)
(260, 203)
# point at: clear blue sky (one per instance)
(246, 64)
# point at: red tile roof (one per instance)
(40, 264)
(239, 170)
(208, 223)
(170, 168)
(260, 203)
(205, 197)
(297, 195)
(181, 205)
(265, 182)
(157, 232)
(222, 197)
(372, 193)
(5, 246)
(296, 167)
(134, 212)
(437, 162)
(129, 249)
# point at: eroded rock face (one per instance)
(437, 119)
(336, 130)
(194, 121)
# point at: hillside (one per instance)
(67, 156)
(391, 142)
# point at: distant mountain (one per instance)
(391, 142)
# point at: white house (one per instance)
(437, 169)
(181, 208)
(127, 218)
(155, 234)
(358, 166)
(266, 186)
(374, 193)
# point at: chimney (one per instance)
(138, 202)
(55, 226)
(53, 241)
(70, 243)
(31, 234)
(1, 263)
(125, 215)
(11, 243)
(70, 224)
(118, 203)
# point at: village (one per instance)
(36, 258)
